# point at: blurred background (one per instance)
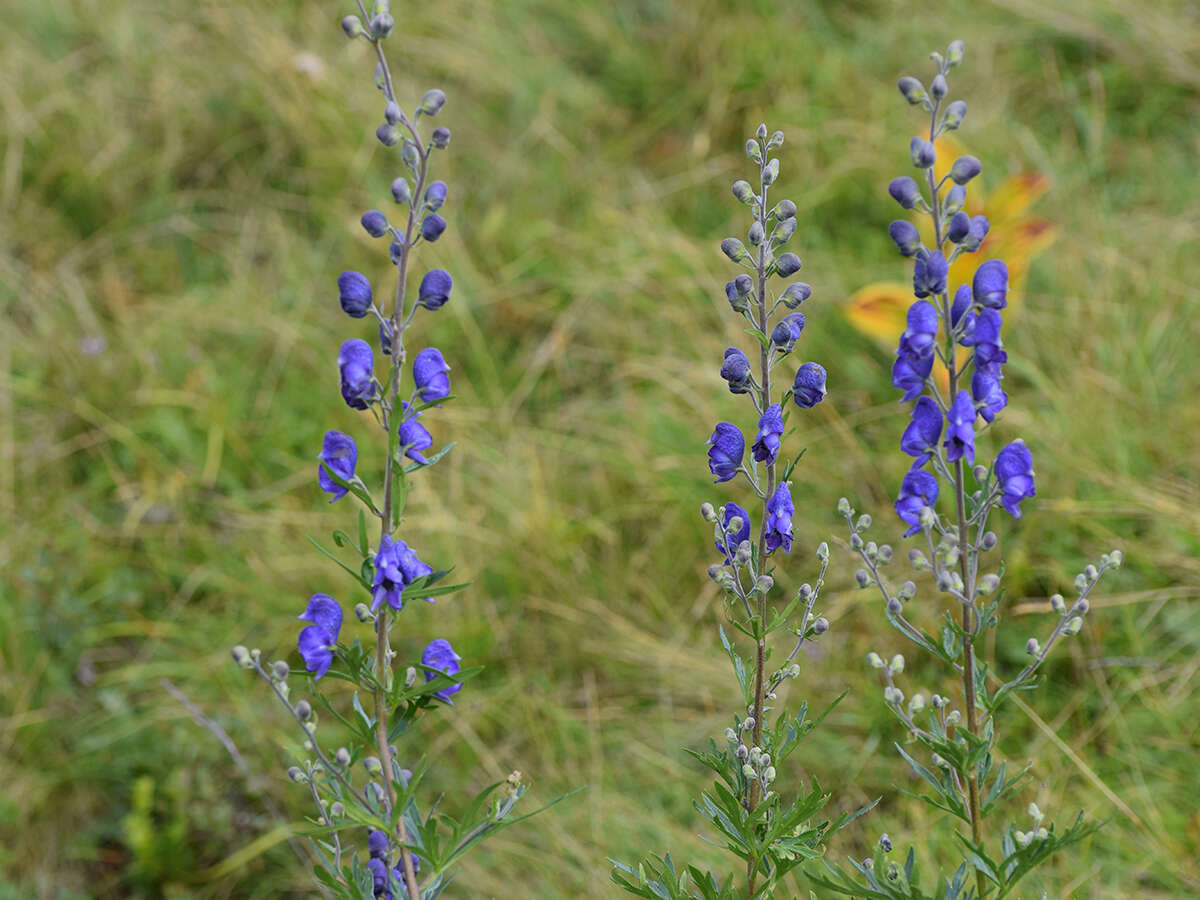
(180, 184)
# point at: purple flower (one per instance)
(921, 436)
(725, 450)
(809, 387)
(432, 227)
(385, 337)
(396, 565)
(959, 227)
(375, 223)
(929, 273)
(922, 328)
(985, 389)
(435, 289)
(984, 336)
(339, 454)
(906, 237)
(737, 291)
(905, 192)
(917, 490)
(414, 437)
(960, 436)
(355, 361)
(736, 370)
(354, 292)
(795, 294)
(910, 370)
(377, 844)
(733, 538)
(435, 196)
(964, 169)
(787, 265)
(317, 641)
(962, 303)
(779, 519)
(380, 882)
(1014, 471)
(429, 374)
(441, 656)
(787, 331)
(770, 428)
(977, 232)
(990, 284)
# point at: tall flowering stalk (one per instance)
(770, 831)
(364, 797)
(952, 738)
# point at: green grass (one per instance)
(182, 181)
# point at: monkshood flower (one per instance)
(738, 292)
(922, 329)
(432, 227)
(1014, 472)
(435, 289)
(414, 437)
(429, 375)
(317, 642)
(929, 273)
(987, 394)
(960, 433)
(808, 389)
(910, 370)
(976, 233)
(736, 371)
(770, 430)
(354, 293)
(990, 284)
(339, 454)
(441, 656)
(435, 196)
(733, 539)
(726, 448)
(396, 567)
(779, 519)
(921, 436)
(356, 364)
(906, 237)
(905, 192)
(375, 223)
(918, 489)
(984, 336)
(961, 304)
(785, 334)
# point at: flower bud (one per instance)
(820, 626)
(440, 137)
(1035, 813)
(707, 512)
(362, 612)
(389, 135)
(337, 809)
(304, 710)
(954, 53)
(352, 26)
(410, 156)
(783, 232)
(904, 191)
(787, 265)
(905, 236)
(795, 294)
(769, 774)
(956, 197)
(953, 718)
(392, 113)
(784, 209)
(410, 676)
(748, 771)
(756, 234)
(734, 525)
(954, 115)
(743, 192)
(1032, 647)
(856, 541)
(988, 583)
(432, 227)
(912, 89)
(280, 669)
(775, 141)
(342, 756)
(734, 249)
(894, 606)
(1058, 604)
(1116, 558)
(863, 523)
(922, 153)
(432, 103)
(1074, 626)
(843, 507)
(964, 169)
(382, 25)
(435, 196)
(241, 656)
(1082, 605)
(771, 172)
(874, 660)
(938, 87)
(297, 775)
(761, 131)
(753, 151)
(897, 665)
(893, 695)
(916, 704)
(823, 550)
(1080, 583)
(1021, 838)
(989, 540)
(918, 561)
(863, 577)
(372, 765)
(374, 223)
(396, 250)
(959, 227)
(1091, 572)
(744, 554)
(764, 583)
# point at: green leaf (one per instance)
(365, 582)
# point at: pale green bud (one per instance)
(1116, 558)
(1091, 572)
(241, 656)
(1035, 813)
(775, 141)
(432, 102)
(897, 665)
(1032, 647)
(1074, 626)
(988, 584)
(874, 660)
(707, 512)
(1058, 603)
(342, 756)
(753, 151)
(893, 695)
(743, 192)
(863, 523)
(843, 507)
(304, 710)
(771, 173)
(954, 53)
(297, 775)
(823, 551)
(820, 626)
(1080, 583)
